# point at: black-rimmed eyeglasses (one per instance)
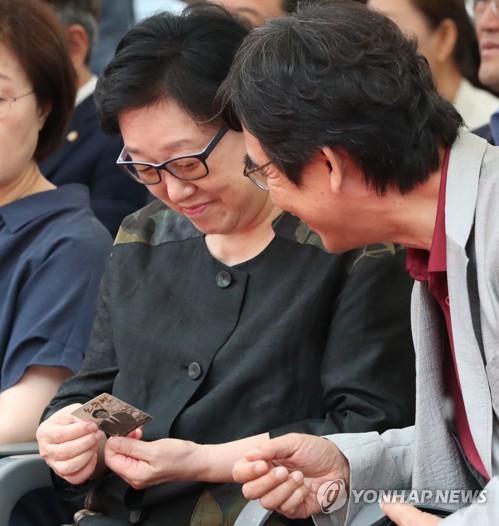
(479, 6)
(185, 167)
(256, 174)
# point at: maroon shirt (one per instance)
(431, 267)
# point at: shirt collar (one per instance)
(438, 259)
(421, 262)
(86, 90)
(19, 213)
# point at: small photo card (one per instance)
(112, 416)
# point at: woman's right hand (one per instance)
(70, 446)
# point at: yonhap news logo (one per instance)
(332, 495)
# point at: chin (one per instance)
(336, 246)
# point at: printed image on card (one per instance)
(112, 415)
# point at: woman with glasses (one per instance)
(446, 37)
(219, 315)
(52, 248)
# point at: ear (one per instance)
(79, 43)
(336, 166)
(446, 35)
(43, 112)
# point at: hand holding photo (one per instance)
(113, 416)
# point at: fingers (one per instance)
(69, 446)
(274, 487)
(66, 449)
(137, 433)
(279, 490)
(64, 430)
(244, 471)
(77, 470)
(129, 447)
(287, 496)
(403, 514)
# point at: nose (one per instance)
(489, 19)
(177, 189)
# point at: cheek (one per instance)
(159, 191)
(283, 199)
(17, 147)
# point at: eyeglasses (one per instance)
(480, 6)
(256, 174)
(6, 102)
(185, 167)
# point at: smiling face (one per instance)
(224, 201)
(330, 199)
(487, 29)
(20, 126)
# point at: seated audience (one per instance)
(87, 155)
(221, 316)
(52, 247)
(446, 37)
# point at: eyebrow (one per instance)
(171, 147)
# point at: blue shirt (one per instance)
(52, 255)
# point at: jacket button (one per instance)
(223, 279)
(194, 371)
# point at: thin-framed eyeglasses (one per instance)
(479, 7)
(256, 174)
(184, 167)
(6, 102)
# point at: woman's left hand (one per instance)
(145, 464)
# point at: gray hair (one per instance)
(74, 12)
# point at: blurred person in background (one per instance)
(487, 28)
(256, 12)
(116, 18)
(87, 155)
(52, 248)
(446, 37)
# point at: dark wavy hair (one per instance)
(183, 58)
(340, 75)
(30, 29)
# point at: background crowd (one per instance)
(251, 291)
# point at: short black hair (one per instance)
(341, 75)
(183, 58)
